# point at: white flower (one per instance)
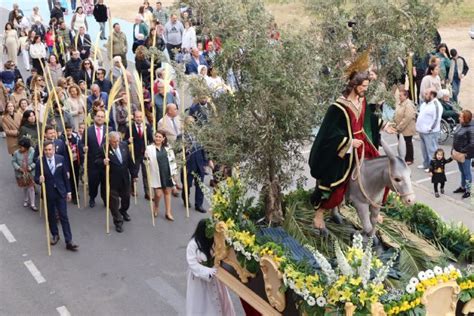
(342, 263)
(438, 270)
(429, 274)
(446, 270)
(451, 267)
(357, 241)
(459, 272)
(311, 301)
(291, 283)
(248, 256)
(422, 275)
(321, 301)
(414, 281)
(410, 289)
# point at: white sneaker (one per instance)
(427, 170)
(421, 167)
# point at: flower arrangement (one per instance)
(357, 277)
(350, 281)
(416, 287)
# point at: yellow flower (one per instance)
(230, 223)
(377, 263)
(346, 295)
(363, 297)
(355, 282)
(299, 283)
(333, 296)
(420, 287)
(342, 279)
(317, 291)
(374, 299)
(378, 289)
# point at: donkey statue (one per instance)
(370, 178)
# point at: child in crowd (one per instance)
(437, 170)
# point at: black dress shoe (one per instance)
(459, 190)
(126, 217)
(119, 228)
(466, 195)
(201, 210)
(72, 247)
(54, 240)
(91, 203)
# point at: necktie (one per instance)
(98, 134)
(139, 131)
(119, 155)
(51, 165)
(175, 127)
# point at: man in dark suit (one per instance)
(139, 146)
(121, 167)
(196, 161)
(58, 192)
(74, 143)
(84, 43)
(195, 61)
(59, 146)
(96, 172)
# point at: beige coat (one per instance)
(155, 181)
(405, 118)
(11, 128)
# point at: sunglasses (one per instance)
(40, 79)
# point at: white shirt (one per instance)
(429, 119)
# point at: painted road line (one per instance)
(428, 179)
(34, 271)
(7, 233)
(62, 310)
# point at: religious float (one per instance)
(420, 265)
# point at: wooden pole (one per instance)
(129, 107)
(139, 87)
(40, 157)
(410, 76)
(152, 83)
(64, 129)
(183, 149)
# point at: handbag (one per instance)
(458, 156)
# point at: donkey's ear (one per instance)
(402, 147)
(387, 149)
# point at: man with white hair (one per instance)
(96, 95)
(450, 114)
(121, 168)
(140, 32)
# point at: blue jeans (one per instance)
(456, 86)
(102, 30)
(466, 176)
(429, 144)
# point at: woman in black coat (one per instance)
(463, 151)
(142, 65)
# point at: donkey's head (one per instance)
(399, 173)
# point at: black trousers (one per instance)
(140, 164)
(71, 180)
(96, 177)
(119, 203)
(409, 147)
(435, 185)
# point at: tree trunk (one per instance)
(273, 197)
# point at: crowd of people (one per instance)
(63, 129)
(438, 100)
